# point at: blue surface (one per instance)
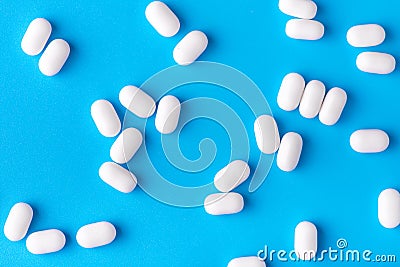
(51, 150)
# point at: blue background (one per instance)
(51, 150)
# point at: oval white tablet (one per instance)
(54, 57)
(96, 234)
(251, 261)
(46, 241)
(366, 35)
(369, 141)
(389, 208)
(167, 116)
(105, 117)
(126, 145)
(303, 29)
(291, 91)
(163, 20)
(333, 106)
(289, 151)
(137, 101)
(117, 177)
(375, 62)
(305, 240)
(304, 9)
(231, 176)
(36, 36)
(18, 221)
(267, 134)
(190, 48)
(312, 99)
(223, 203)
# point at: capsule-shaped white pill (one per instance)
(312, 99)
(369, 141)
(190, 48)
(366, 35)
(137, 101)
(96, 234)
(389, 208)
(375, 62)
(223, 203)
(304, 9)
(167, 117)
(54, 57)
(18, 221)
(267, 134)
(105, 117)
(291, 91)
(251, 261)
(304, 29)
(333, 106)
(231, 176)
(126, 145)
(305, 240)
(36, 36)
(163, 20)
(117, 177)
(289, 151)
(46, 241)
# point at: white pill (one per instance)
(167, 117)
(305, 240)
(96, 234)
(18, 221)
(389, 208)
(126, 145)
(163, 20)
(105, 117)
(312, 99)
(369, 141)
(267, 134)
(375, 62)
(137, 101)
(333, 106)
(117, 177)
(303, 29)
(190, 48)
(231, 176)
(223, 203)
(46, 241)
(36, 36)
(291, 91)
(54, 57)
(289, 151)
(304, 9)
(365, 35)
(251, 261)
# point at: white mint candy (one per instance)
(305, 240)
(291, 91)
(389, 208)
(304, 9)
(267, 134)
(105, 117)
(137, 101)
(96, 234)
(375, 62)
(304, 29)
(18, 221)
(369, 141)
(117, 177)
(333, 106)
(366, 35)
(289, 151)
(231, 176)
(190, 48)
(223, 203)
(167, 116)
(54, 57)
(36, 37)
(251, 261)
(312, 99)
(46, 241)
(126, 145)
(163, 20)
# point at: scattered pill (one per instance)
(251, 261)
(312, 99)
(46, 241)
(389, 208)
(117, 177)
(231, 176)
(167, 117)
(190, 48)
(36, 36)
(333, 106)
(137, 101)
(304, 9)
(369, 141)
(375, 62)
(289, 151)
(223, 203)
(303, 29)
(126, 145)
(366, 35)
(267, 134)
(163, 20)
(18, 221)
(96, 234)
(54, 57)
(291, 91)
(105, 118)
(305, 240)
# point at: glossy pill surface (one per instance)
(18, 221)
(163, 20)
(36, 36)
(117, 177)
(231, 176)
(190, 48)
(291, 91)
(167, 116)
(303, 29)
(289, 151)
(126, 145)
(105, 117)
(54, 57)
(366, 35)
(389, 208)
(46, 241)
(376, 62)
(304, 9)
(332, 107)
(312, 99)
(96, 234)
(267, 134)
(305, 240)
(137, 101)
(369, 141)
(223, 203)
